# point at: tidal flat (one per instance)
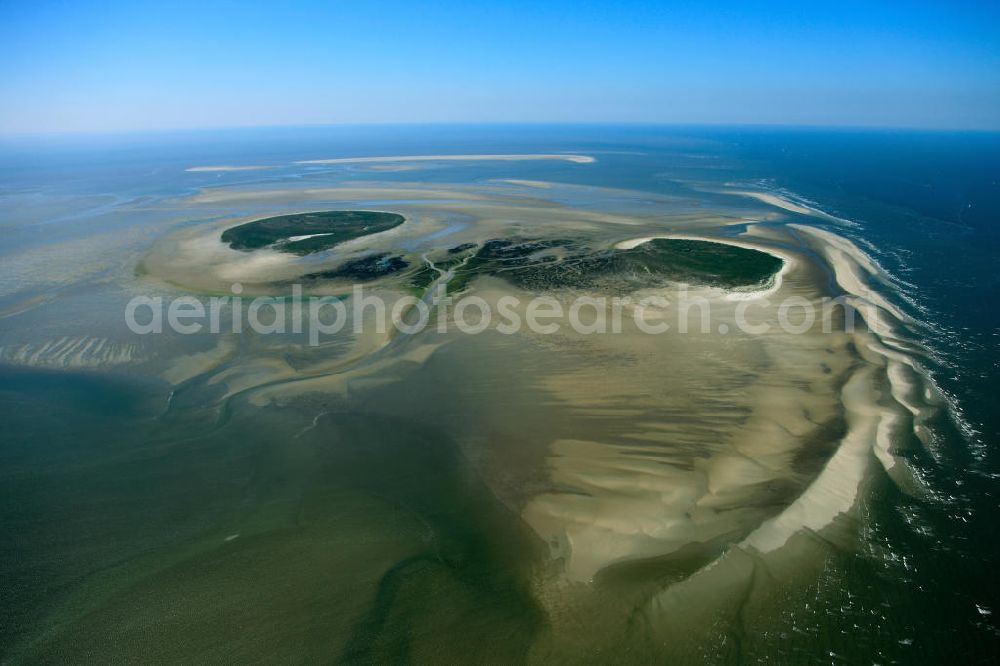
(383, 496)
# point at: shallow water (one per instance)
(723, 496)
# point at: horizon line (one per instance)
(70, 133)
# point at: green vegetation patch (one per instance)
(459, 249)
(325, 229)
(363, 269)
(700, 262)
(539, 265)
(422, 278)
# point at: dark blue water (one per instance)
(928, 205)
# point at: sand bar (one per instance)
(579, 159)
(225, 167)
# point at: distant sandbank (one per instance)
(579, 159)
(225, 167)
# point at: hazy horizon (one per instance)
(678, 126)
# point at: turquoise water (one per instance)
(119, 489)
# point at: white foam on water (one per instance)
(876, 426)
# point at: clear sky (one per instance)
(136, 65)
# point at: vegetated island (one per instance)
(305, 233)
(538, 265)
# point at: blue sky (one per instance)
(68, 66)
